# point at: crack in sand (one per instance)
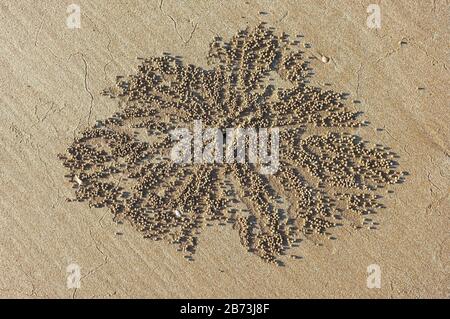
(358, 80)
(175, 24)
(110, 58)
(86, 87)
(38, 32)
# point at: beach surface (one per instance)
(51, 81)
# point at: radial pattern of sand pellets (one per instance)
(258, 79)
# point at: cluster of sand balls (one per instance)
(123, 162)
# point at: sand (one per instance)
(52, 80)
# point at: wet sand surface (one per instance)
(51, 88)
